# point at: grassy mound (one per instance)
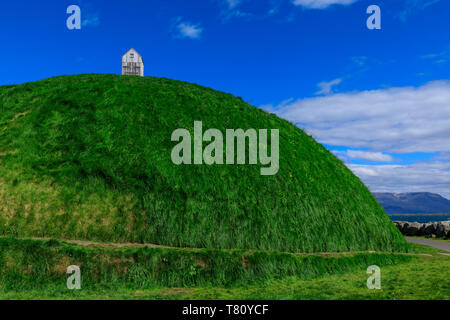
(89, 157)
(41, 265)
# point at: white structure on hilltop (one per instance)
(132, 63)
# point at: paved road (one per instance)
(432, 243)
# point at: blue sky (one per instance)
(379, 99)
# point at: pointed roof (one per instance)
(132, 49)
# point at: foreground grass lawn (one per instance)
(426, 277)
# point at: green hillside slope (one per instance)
(89, 157)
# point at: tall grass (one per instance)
(37, 265)
(88, 157)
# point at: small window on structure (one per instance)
(132, 55)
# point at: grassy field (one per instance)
(422, 274)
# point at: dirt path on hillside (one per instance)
(442, 245)
(91, 244)
(113, 245)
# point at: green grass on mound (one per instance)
(416, 277)
(88, 157)
(27, 265)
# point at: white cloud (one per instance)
(320, 4)
(233, 3)
(440, 57)
(369, 156)
(327, 87)
(359, 60)
(230, 10)
(91, 21)
(348, 155)
(89, 15)
(395, 120)
(188, 30)
(419, 177)
(412, 6)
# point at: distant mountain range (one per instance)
(417, 202)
